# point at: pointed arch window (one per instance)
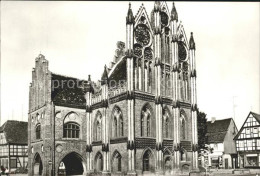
(147, 161)
(116, 165)
(146, 122)
(142, 125)
(38, 131)
(121, 126)
(167, 127)
(115, 127)
(166, 123)
(183, 127)
(99, 162)
(98, 131)
(118, 123)
(148, 125)
(98, 127)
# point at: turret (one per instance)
(193, 102)
(89, 91)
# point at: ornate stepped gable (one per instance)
(156, 51)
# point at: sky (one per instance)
(79, 38)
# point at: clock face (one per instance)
(182, 51)
(142, 34)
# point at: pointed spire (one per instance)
(157, 6)
(89, 87)
(174, 14)
(104, 78)
(192, 43)
(130, 17)
(89, 78)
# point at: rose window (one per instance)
(142, 34)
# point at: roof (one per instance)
(255, 115)
(217, 131)
(16, 132)
(68, 91)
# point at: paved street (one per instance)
(215, 174)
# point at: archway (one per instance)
(148, 161)
(98, 162)
(71, 164)
(167, 155)
(116, 162)
(37, 165)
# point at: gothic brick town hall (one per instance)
(140, 118)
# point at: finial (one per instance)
(88, 86)
(192, 43)
(174, 14)
(130, 16)
(104, 78)
(157, 6)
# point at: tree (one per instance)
(202, 131)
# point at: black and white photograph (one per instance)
(130, 88)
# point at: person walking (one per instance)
(2, 170)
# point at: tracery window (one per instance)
(71, 130)
(118, 123)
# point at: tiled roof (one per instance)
(119, 72)
(68, 91)
(16, 131)
(217, 131)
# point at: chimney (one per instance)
(213, 119)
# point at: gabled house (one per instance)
(248, 142)
(220, 134)
(13, 144)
